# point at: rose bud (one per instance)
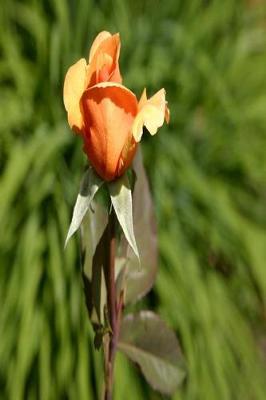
(106, 113)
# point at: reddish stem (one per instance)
(113, 309)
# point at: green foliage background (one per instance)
(208, 176)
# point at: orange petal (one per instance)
(109, 111)
(167, 114)
(104, 60)
(152, 113)
(74, 87)
(97, 42)
(104, 63)
(119, 86)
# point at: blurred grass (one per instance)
(208, 176)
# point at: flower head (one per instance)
(107, 114)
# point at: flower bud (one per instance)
(105, 113)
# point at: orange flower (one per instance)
(106, 113)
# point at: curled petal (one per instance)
(103, 58)
(97, 42)
(167, 114)
(104, 64)
(114, 85)
(109, 110)
(151, 114)
(74, 87)
(143, 99)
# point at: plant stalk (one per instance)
(110, 348)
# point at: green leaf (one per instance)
(121, 198)
(146, 340)
(90, 184)
(93, 239)
(139, 281)
(98, 286)
(92, 228)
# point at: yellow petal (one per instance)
(74, 87)
(143, 99)
(152, 113)
(97, 41)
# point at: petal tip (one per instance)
(74, 86)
